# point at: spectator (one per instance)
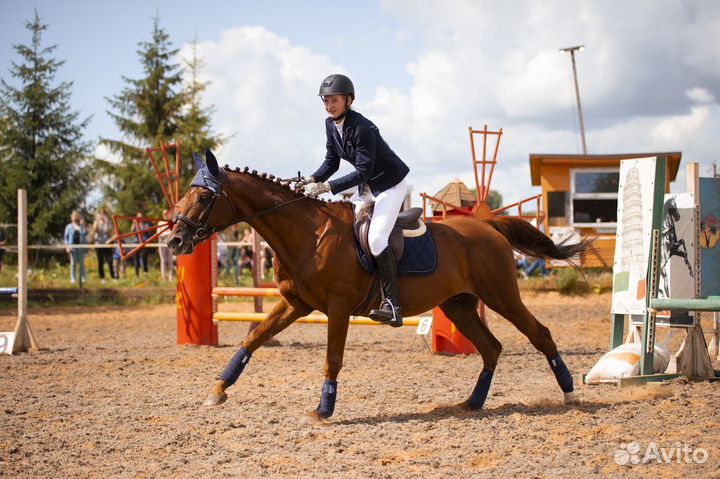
(528, 266)
(76, 234)
(100, 234)
(233, 254)
(141, 257)
(2, 246)
(167, 266)
(246, 251)
(118, 264)
(267, 260)
(246, 258)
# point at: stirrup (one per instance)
(387, 314)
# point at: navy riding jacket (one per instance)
(376, 165)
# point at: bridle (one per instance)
(201, 231)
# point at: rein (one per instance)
(200, 226)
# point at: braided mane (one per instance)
(329, 206)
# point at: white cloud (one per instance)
(264, 89)
(700, 95)
(648, 82)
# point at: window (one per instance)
(557, 208)
(594, 194)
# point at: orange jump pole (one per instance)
(194, 296)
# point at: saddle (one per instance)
(407, 225)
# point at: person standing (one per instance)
(100, 233)
(167, 267)
(75, 235)
(140, 258)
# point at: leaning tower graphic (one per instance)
(632, 220)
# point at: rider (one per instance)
(379, 176)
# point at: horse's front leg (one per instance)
(281, 316)
(684, 255)
(338, 322)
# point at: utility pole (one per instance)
(572, 51)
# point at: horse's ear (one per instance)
(199, 165)
(211, 162)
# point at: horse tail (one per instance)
(529, 240)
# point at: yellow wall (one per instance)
(556, 177)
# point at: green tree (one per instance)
(41, 145)
(494, 200)
(195, 125)
(147, 111)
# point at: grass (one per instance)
(51, 285)
(569, 281)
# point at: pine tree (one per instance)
(195, 129)
(41, 145)
(147, 111)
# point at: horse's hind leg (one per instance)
(461, 310)
(505, 300)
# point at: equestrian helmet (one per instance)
(337, 84)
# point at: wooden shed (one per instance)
(580, 192)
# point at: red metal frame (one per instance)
(482, 187)
(158, 228)
(483, 179)
(169, 178)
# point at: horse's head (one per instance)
(200, 214)
(671, 209)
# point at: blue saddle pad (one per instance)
(419, 256)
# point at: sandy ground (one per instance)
(111, 395)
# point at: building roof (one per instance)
(539, 159)
(455, 193)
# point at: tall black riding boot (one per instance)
(389, 312)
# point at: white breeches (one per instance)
(387, 207)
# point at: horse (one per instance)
(316, 268)
(672, 246)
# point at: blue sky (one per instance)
(424, 72)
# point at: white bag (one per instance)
(624, 361)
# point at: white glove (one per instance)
(303, 182)
(315, 189)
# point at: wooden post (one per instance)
(693, 358)
(24, 338)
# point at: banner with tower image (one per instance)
(634, 230)
(709, 237)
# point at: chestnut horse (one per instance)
(317, 269)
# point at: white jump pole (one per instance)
(24, 338)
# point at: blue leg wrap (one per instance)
(479, 394)
(563, 376)
(326, 408)
(235, 367)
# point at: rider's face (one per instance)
(335, 105)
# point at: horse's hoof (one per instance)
(571, 398)
(465, 406)
(215, 399)
(314, 417)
